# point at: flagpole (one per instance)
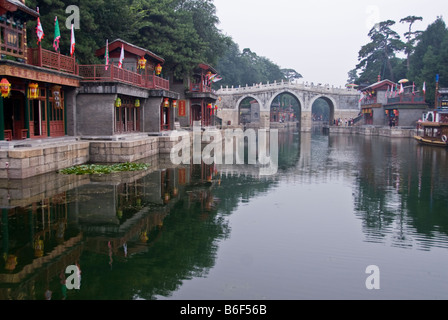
(436, 102)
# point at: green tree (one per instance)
(291, 74)
(246, 67)
(375, 58)
(411, 36)
(430, 58)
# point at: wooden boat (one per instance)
(433, 129)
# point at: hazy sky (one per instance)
(320, 39)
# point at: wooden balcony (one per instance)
(407, 98)
(12, 39)
(98, 73)
(199, 87)
(52, 60)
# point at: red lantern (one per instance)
(209, 106)
(5, 87)
(174, 103)
(158, 69)
(166, 103)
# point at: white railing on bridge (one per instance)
(289, 84)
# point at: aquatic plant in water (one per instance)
(104, 169)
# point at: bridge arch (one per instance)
(248, 108)
(276, 94)
(284, 114)
(331, 103)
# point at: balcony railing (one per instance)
(199, 87)
(52, 60)
(99, 73)
(407, 98)
(12, 39)
(368, 101)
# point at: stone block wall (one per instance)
(29, 162)
(123, 151)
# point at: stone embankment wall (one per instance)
(396, 132)
(123, 151)
(32, 161)
(25, 162)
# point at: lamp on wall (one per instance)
(137, 103)
(33, 91)
(174, 103)
(166, 103)
(118, 102)
(5, 87)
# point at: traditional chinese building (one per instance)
(375, 96)
(386, 103)
(127, 95)
(406, 108)
(37, 85)
(198, 101)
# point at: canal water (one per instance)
(345, 217)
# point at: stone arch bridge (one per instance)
(343, 102)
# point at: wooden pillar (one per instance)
(2, 120)
(48, 110)
(27, 113)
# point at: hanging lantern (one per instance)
(387, 112)
(174, 103)
(118, 102)
(158, 69)
(137, 103)
(56, 93)
(5, 87)
(33, 91)
(142, 63)
(166, 103)
(209, 106)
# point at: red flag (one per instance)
(39, 30)
(424, 87)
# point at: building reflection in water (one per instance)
(49, 221)
(100, 222)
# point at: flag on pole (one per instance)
(72, 41)
(401, 88)
(120, 62)
(424, 87)
(361, 97)
(413, 88)
(217, 78)
(57, 34)
(39, 30)
(106, 55)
